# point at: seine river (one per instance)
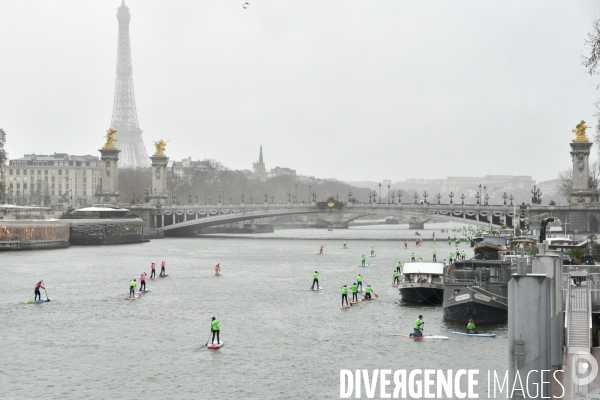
(282, 341)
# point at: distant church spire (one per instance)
(260, 171)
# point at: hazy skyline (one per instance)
(350, 90)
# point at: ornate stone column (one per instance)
(159, 160)
(108, 190)
(580, 154)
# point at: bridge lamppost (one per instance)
(462, 199)
(439, 196)
(416, 196)
(451, 196)
(511, 198)
(174, 199)
(295, 194)
(504, 196)
(289, 194)
(388, 194)
(219, 196)
(349, 195)
(309, 187)
(477, 196)
(205, 195)
(380, 193)
(487, 196)
(375, 196)
(242, 197)
(266, 197)
(314, 196)
(399, 196)
(190, 197)
(393, 197)
(370, 195)
(425, 195)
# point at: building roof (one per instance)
(55, 157)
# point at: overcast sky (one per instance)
(354, 90)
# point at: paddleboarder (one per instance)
(412, 257)
(418, 327)
(363, 260)
(345, 245)
(315, 280)
(321, 250)
(471, 327)
(359, 281)
(354, 289)
(344, 295)
(214, 328)
(463, 254)
(399, 267)
(162, 268)
(37, 291)
(396, 280)
(153, 273)
(132, 288)
(372, 251)
(434, 255)
(368, 292)
(143, 282)
(217, 269)
(406, 244)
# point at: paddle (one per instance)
(207, 340)
(376, 295)
(47, 298)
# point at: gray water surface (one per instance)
(281, 339)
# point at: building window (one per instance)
(84, 193)
(18, 172)
(60, 171)
(46, 172)
(10, 171)
(84, 179)
(39, 172)
(53, 179)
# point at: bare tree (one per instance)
(565, 182)
(592, 65)
(3, 158)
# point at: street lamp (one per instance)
(399, 196)
(219, 196)
(380, 193)
(393, 196)
(314, 196)
(205, 195)
(416, 196)
(511, 198)
(485, 195)
(451, 196)
(266, 197)
(504, 196)
(295, 194)
(375, 197)
(425, 195)
(242, 197)
(289, 195)
(478, 195)
(388, 194)
(309, 187)
(132, 195)
(439, 196)
(349, 195)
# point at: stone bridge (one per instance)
(186, 220)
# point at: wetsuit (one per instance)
(344, 295)
(142, 282)
(37, 291)
(363, 261)
(132, 288)
(359, 281)
(153, 273)
(396, 280)
(162, 268)
(214, 328)
(315, 280)
(368, 293)
(354, 292)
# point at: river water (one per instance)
(281, 339)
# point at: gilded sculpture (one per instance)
(160, 147)
(579, 132)
(110, 138)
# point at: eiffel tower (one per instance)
(124, 116)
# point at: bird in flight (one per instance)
(246, 5)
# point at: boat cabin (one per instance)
(422, 272)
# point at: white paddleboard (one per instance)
(476, 334)
(421, 337)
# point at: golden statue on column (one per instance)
(579, 132)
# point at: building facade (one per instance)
(42, 179)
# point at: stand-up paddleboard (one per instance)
(317, 289)
(132, 298)
(218, 274)
(163, 276)
(366, 265)
(421, 337)
(366, 299)
(37, 301)
(215, 346)
(355, 302)
(344, 307)
(143, 291)
(373, 255)
(476, 334)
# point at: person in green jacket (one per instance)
(354, 288)
(132, 288)
(434, 255)
(372, 251)
(368, 292)
(450, 258)
(412, 257)
(363, 260)
(471, 327)
(418, 327)
(463, 255)
(315, 280)
(344, 295)
(396, 280)
(359, 281)
(399, 267)
(345, 245)
(420, 259)
(214, 328)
